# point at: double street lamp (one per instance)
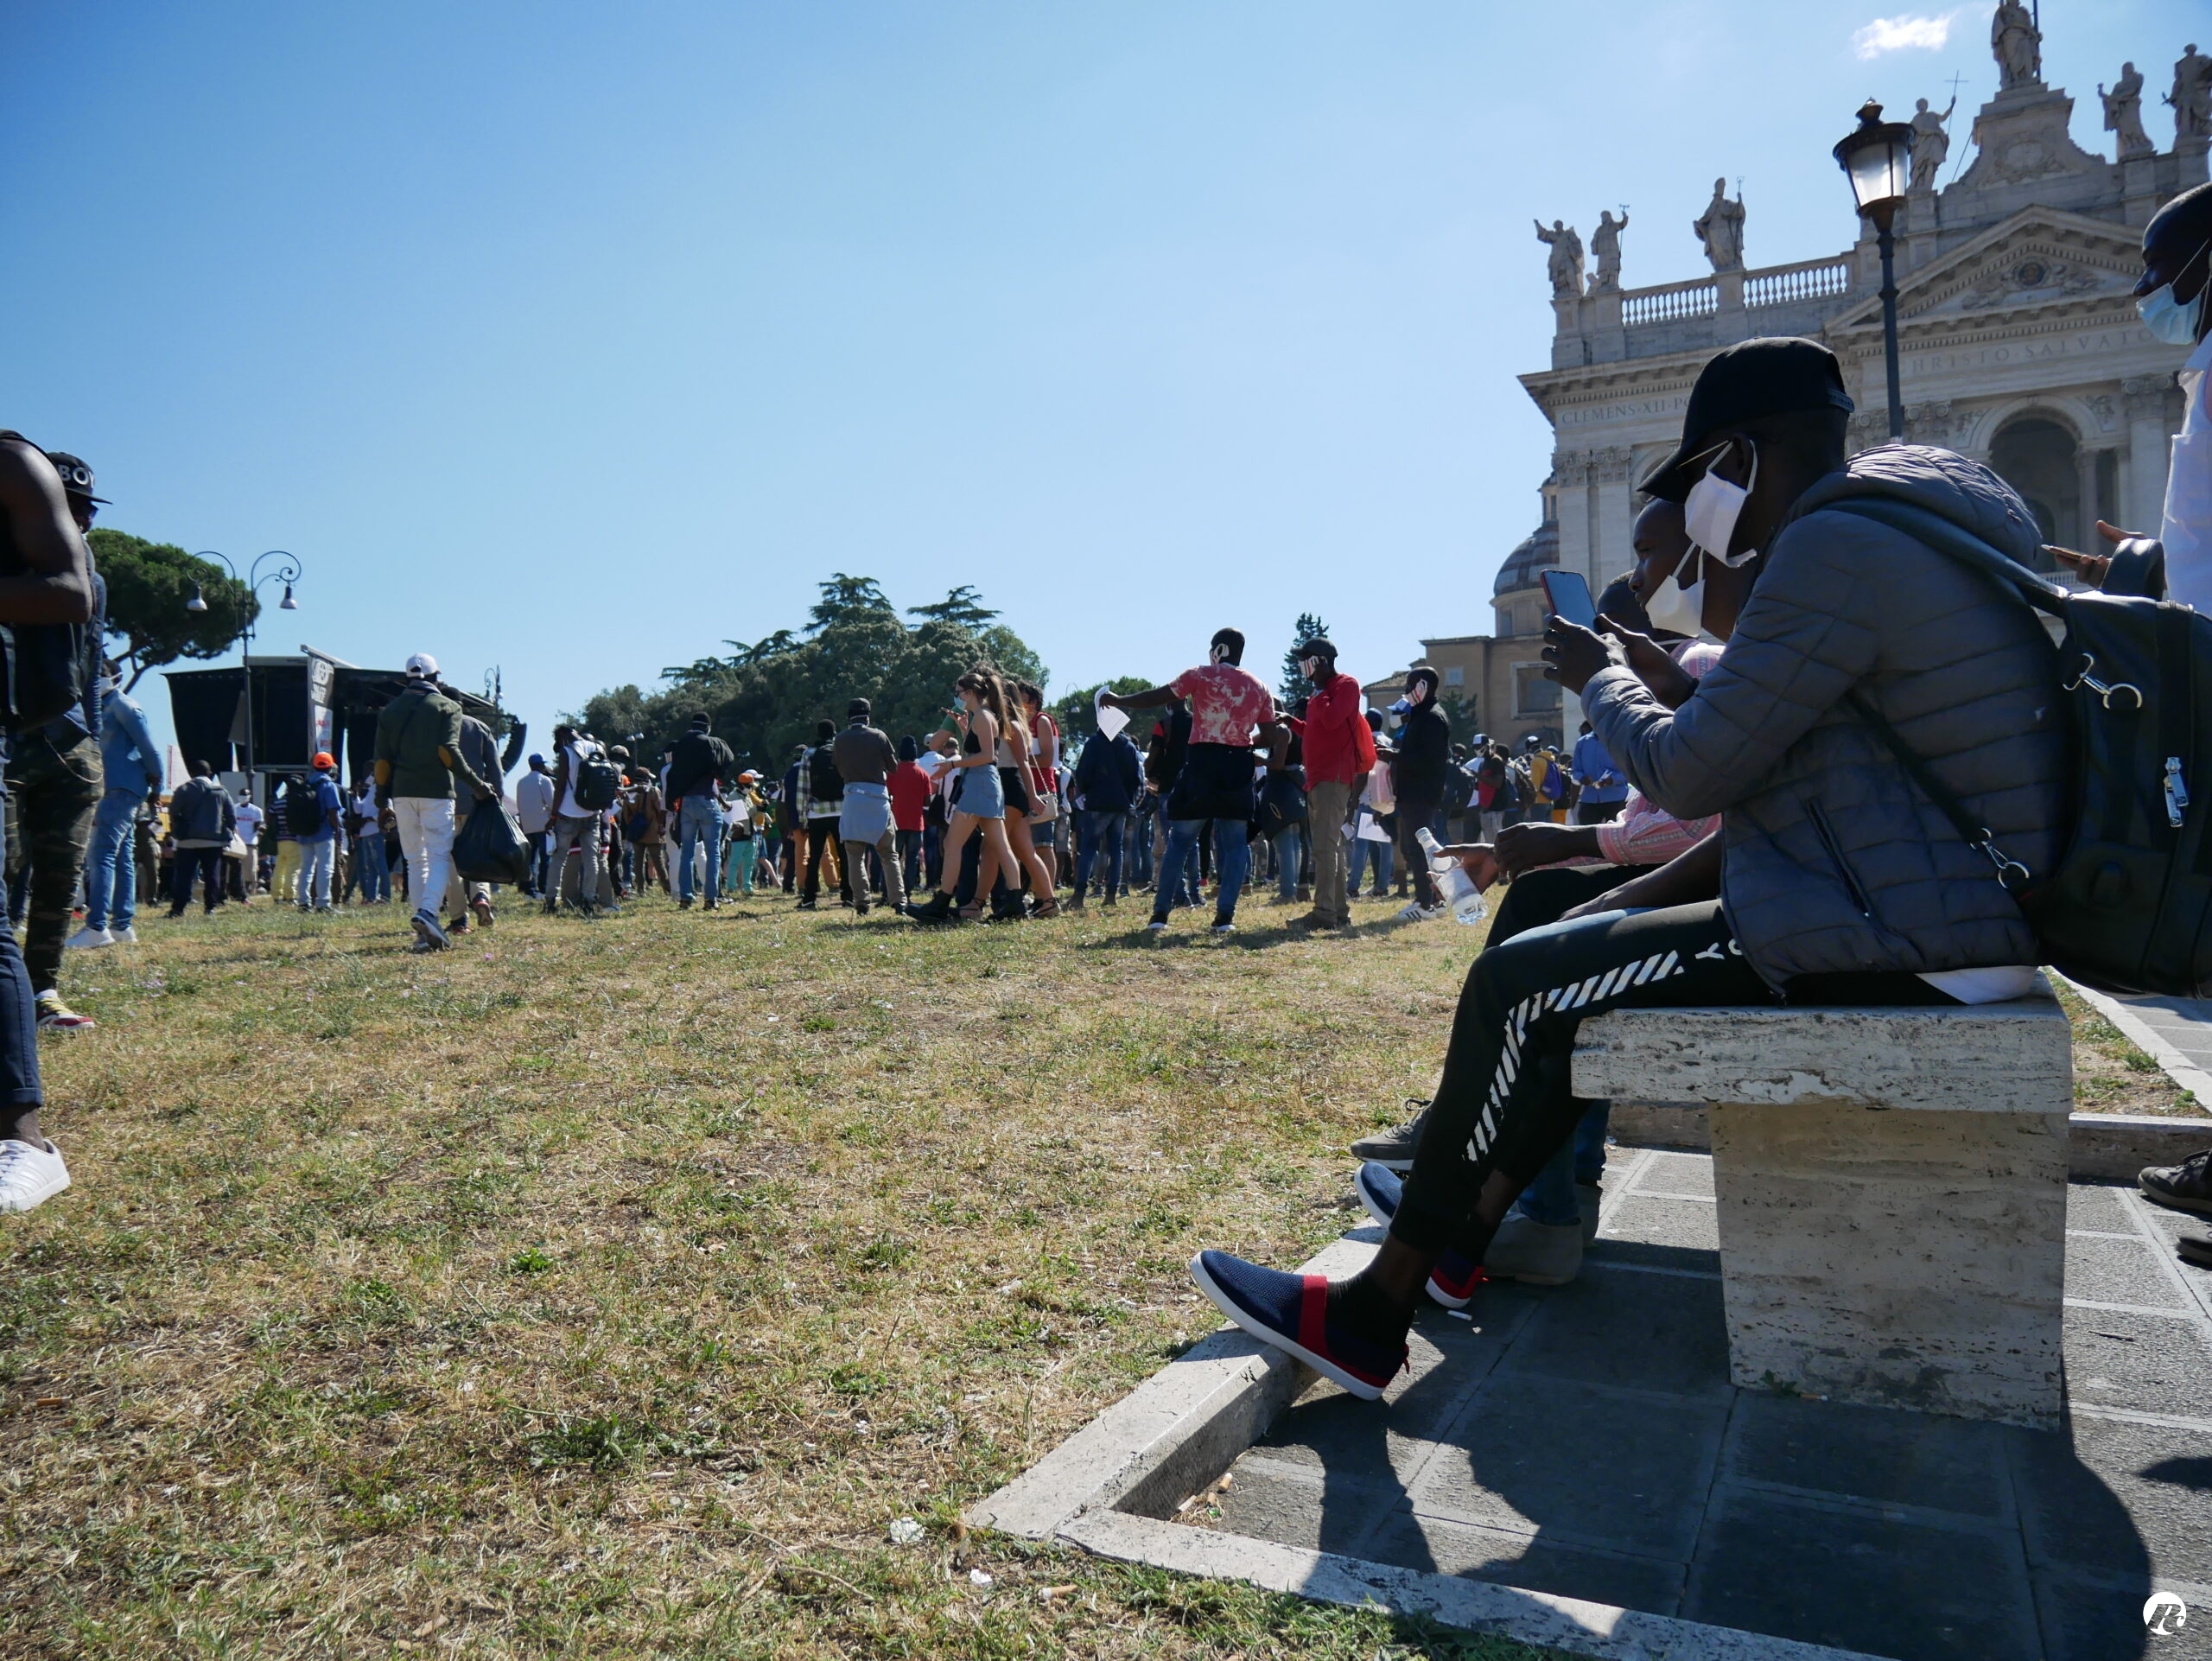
(287, 572)
(1877, 158)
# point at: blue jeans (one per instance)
(699, 821)
(1232, 858)
(371, 868)
(318, 859)
(110, 877)
(1550, 1198)
(1290, 851)
(1140, 829)
(1361, 851)
(1100, 831)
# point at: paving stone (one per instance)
(1677, 1174)
(2100, 1618)
(1686, 1225)
(1584, 1465)
(1870, 1453)
(1642, 1331)
(1860, 1582)
(2119, 1272)
(1440, 1546)
(1643, 1254)
(2119, 1497)
(2153, 1363)
(2097, 1206)
(1303, 1505)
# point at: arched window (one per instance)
(2038, 457)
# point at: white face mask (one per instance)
(1711, 508)
(2168, 319)
(1676, 608)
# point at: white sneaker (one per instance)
(88, 938)
(29, 1175)
(1417, 913)
(1157, 926)
(126, 936)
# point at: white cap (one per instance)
(422, 667)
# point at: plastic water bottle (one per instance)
(1452, 880)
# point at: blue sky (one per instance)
(577, 339)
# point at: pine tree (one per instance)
(1294, 684)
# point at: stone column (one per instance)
(2085, 477)
(1613, 520)
(2149, 448)
(1573, 471)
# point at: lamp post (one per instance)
(287, 573)
(1877, 158)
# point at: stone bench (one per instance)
(1891, 1187)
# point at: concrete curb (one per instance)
(2103, 1146)
(1598, 1630)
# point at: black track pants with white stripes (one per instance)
(1504, 1104)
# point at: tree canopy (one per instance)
(765, 698)
(149, 586)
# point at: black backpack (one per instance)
(2128, 905)
(302, 811)
(598, 781)
(824, 782)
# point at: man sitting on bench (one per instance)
(1832, 881)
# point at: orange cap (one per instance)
(325, 759)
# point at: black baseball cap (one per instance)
(1742, 383)
(76, 477)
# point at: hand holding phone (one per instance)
(1567, 593)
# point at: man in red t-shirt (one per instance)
(910, 796)
(1230, 710)
(1339, 754)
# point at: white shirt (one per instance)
(2187, 527)
(570, 807)
(250, 818)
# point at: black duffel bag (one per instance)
(490, 846)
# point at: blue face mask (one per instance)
(2169, 319)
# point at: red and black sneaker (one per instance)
(1291, 1313)
(1454, 1282)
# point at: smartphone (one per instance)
(1567, 593)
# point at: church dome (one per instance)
(1539, 551)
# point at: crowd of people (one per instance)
(1730, 827)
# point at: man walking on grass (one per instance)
(1230, 710)
(1339, 750)
(131, 769)
(865, 762)
(698, 767)
(318, 840)
(418, 759)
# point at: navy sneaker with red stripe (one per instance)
(1291, 1313)
(1453, 1281)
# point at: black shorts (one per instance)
(1018, 801)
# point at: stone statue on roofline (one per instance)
(1720, 228)
(1931, 144)
(2124, 114)
(2016, 44)
(2191, 98)
(1566, 262)
(1605, 243)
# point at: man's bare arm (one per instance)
(58, 586)
(1151, 698)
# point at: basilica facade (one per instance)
(2018, 340)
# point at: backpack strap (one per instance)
(1957, 542)
(2011, 876)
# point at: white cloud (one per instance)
(1903, 35)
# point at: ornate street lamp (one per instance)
(287, 573)
(1877, 159)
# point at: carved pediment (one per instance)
(2041, 257)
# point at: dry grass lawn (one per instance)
(609, 1289)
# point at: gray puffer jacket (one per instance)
(1833, 861)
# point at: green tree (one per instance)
(1294, 684)
(764, 699)
(150, 585)
(1078, 713)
